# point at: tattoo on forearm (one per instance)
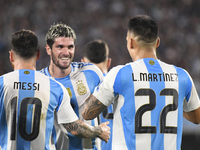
(81, 129)
(93, 107)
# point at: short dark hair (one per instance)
(24, 43)
(96, 51)
(58, 30)
(145, 27)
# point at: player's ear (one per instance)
(82, 60)
(11, 57)
(38, 54)
(158, 42)
(132, 43)
(48, 49)
(109, 62)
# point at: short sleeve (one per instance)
(105, 91)
(65, 113)
(191, 102)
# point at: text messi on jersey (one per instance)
(26, 86)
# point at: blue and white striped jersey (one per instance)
(107, 115)
(80, 83)
(149, 97)
(28, 100)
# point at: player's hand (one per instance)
(105, 135)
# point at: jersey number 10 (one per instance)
(23, 118)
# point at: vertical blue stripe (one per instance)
(3, 121)
(157, 139)
(185, 86)
(53, 102)
(29, 119)
(92, 79)
(23, 78)
(108, 145)
(73, 99)
(73, 140)
(122, 81)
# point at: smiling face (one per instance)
(62, 52)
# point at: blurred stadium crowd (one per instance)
(178, 21)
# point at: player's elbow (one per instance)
(87, 117)
(196, 120)
(193, 116)
(75, 133)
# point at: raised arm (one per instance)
(83, 130)
(92, 108)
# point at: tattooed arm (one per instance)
(83, 130)
(92, 108)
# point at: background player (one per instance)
(151, 95)
(28, 100)
(79, 79)
(97, 52)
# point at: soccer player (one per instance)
(150, 96)
(97, 52)
(78, 78)
(28, 100)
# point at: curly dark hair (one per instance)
(58, 30)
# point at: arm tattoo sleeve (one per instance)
(79, 128)
(92, 108)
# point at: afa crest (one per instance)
(151, 62)
(81, 88)
(26, 72)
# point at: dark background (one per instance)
(178, 20)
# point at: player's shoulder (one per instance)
(181, 72)
(41, 73)
(116, 69)
(9, 75)
(55, 85)
(178, 69)
(51, 79)
(119, 67)
(86, 67)
(44, 70)
(82, 66)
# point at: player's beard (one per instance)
(58, 64)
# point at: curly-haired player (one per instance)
(29, 102)
(78, 78)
